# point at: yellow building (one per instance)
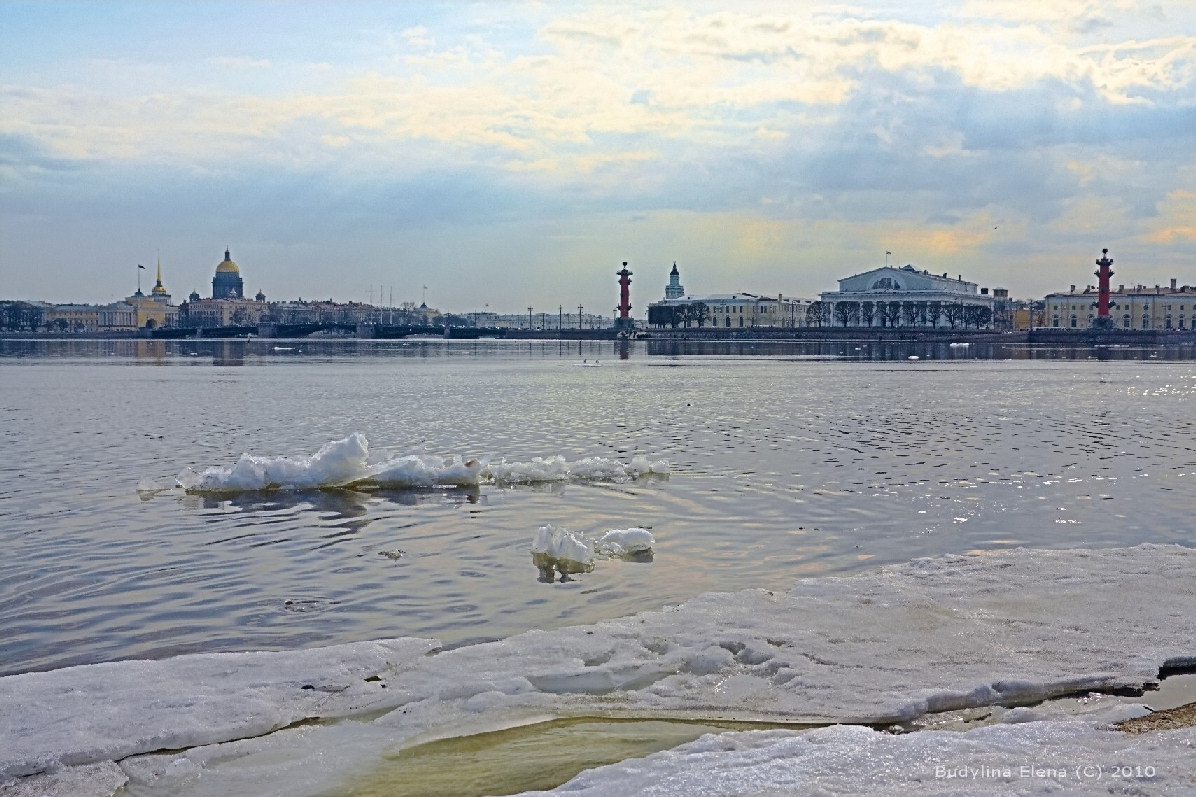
(1137, 307)
(730, 311)
(211, 313)
(153, 311)
(72, 317)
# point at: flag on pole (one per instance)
(888, 253)
(141, 267)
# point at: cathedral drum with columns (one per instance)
(227, 284)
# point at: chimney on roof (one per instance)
(1121, 289)
(1073, 289)
(1173, 281)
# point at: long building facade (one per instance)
(735, 311)
(1136, 307)
(906, 297)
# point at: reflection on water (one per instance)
(242, 351)
(787, 461)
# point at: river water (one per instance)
(787, 460)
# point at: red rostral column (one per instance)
(1102, 297)
(624, 320)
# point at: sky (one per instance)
(500, 155)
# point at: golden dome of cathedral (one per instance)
(227, 266)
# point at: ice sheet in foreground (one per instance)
(344, 463)
(1049, 757)
(888, 645)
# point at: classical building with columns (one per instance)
(227, 284)
(906, 297)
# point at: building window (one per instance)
(1073, 322)
(1125, 321)
(1055, 321)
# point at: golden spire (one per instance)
(158, 289)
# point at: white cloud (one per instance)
(768, 120)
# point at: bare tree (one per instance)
(976, 315)
(699, 312)
(867, 309)
(890, 313)
(843, 313)
(660, 315)
(934, 311)
(953, 312)
(817, 314)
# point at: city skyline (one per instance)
(512, 154)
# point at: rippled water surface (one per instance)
(787, 461)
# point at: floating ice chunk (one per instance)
(641, 466)
(598, 469)
(414, 471)
(625, 542)
(460, 474)
(539, 469)
(342, 463)
(557, 469)
(564, 546)
(336, 464)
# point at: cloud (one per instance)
(1176, 220)
(418, 37)
(780, 126)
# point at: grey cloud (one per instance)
(25, 154)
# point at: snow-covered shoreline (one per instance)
(888, 645)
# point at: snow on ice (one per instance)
(952, 632)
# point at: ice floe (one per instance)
(344, 463)
(336, 464)
(886, 646)
(625, 542)
(557, 468)
(559, 550)
(1052, 757)
(415, 471)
